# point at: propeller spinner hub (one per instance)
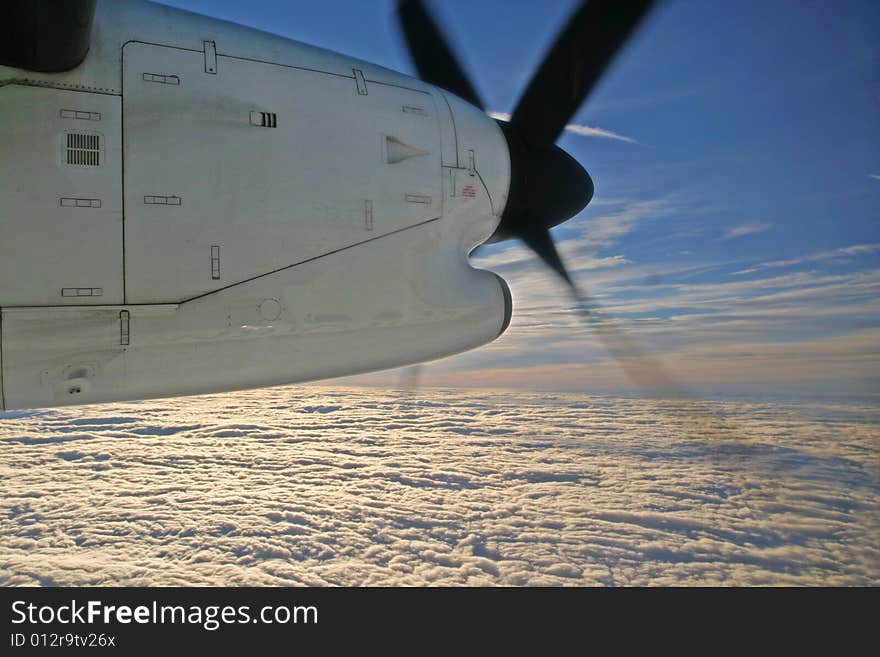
(547, 187)
(560, 184)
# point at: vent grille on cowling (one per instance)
(264, 119)
(84, 149)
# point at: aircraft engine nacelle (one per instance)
(199, 207)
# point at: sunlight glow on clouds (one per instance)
(310, 485)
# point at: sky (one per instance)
(735, 149)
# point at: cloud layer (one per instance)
(319, 485)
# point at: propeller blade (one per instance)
(537, 237)
(409, 378)
(46, 35)
(430, 52)
(692, 414)
(573, 66)
(645, 371)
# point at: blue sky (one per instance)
(735, 230)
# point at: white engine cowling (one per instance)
(231, 209)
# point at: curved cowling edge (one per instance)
(508, 305)
(49, 36)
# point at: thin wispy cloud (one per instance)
(582, 130)
(592, 131)
(588, 248)
(674, 308)
(875, 176)
(746, 229)
(835, 254)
